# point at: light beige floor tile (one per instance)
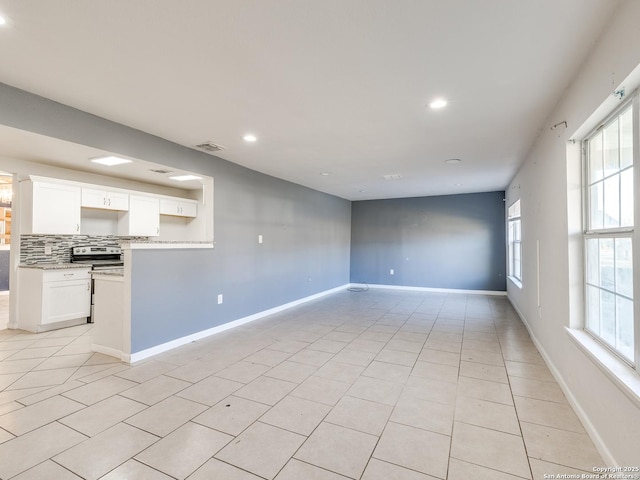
(52, 342)
(387, 371)
(481, 356)
(311, 357)
(134, 470)
(487, 414)
(35, 416)
(47, 470)
(10, 406)
(438, 356)
(436, 344)
(370, 346)
(184, 450)
(337, 336)
(527, 370)
(326, 345)
(362, 415)
(523, 355)
(445, 337)
(5, 436)
(342, 372)
(490, 448)
(95, 457)
(411, 337)
(355, 357)
(288, 346)
(415, 449)
(166, 416)
(92, 373)
(291, 371)
(210, 391)
(397, 357)
(541, 468)
(35, 447)
(382, 337)
(34, 353)
(541, 390)
(63, 361)
(485, 390)
(321, 390)
(42, 393)
(232, 415)
(546, 413)
(379, 470)
(404, 346)
(424, 414)
(154, 390)
(102, 415)
(42, 379)
(243, 372)
(261, 449)
(269, 357)
(146, 371)
(481, 371)
(297, 470)
(459, 470)
(198, 370)
(560, 446)
(266, 390)
(99, 390)
(376, 390)
(338, 449)
(296, 415)
(432, 390)
(19, 366)
(215, 469)
(435, 371)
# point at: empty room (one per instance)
(324, 240)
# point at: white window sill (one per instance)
(516, 282)
(621, 374)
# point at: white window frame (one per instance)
(514, 224)
(632, 233)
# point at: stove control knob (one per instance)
(84, 250)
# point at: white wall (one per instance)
(547, 179)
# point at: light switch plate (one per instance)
(219, 299)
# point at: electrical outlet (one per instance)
(219, 299)
(259, 238)
(391, 271)
(47, 249)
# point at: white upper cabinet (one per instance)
(178, 207)
(50, 208)
(104, 199)
(142, 219)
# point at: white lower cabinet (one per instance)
(52, 299)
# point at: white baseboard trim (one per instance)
(149, 352)
(429, 289)
(112, 352)
(600, 445)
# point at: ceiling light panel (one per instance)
(250, 138)
(438, 103)
(110, 161)
(185, 178)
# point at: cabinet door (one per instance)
(104, 200)
(65, 300)
(117, 201)
(178, 207)
(56, 208)
(143, 217)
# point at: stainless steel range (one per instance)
(99, 258)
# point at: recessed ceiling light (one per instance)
(250, 138)
(110, 161)
(453, 161)
(362, 191)
(438, 103)
(324, 174)
(184, 178)
(3, 20)
(457, 184)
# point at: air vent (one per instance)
(160, 171)
(396, 176)
(210, 147)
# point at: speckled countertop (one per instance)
(54, 266)
(116, 272)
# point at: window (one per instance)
(609, 229)
(515, 238)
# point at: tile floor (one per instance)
(376, 385)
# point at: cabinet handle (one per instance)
(109, 202)
(158, 230)
(104, 200)
(89, 287)
(77, 227)
(68, 274)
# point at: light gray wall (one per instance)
(452, 241)
(306, 233)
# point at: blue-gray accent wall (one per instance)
(4, 270)
(452, 241)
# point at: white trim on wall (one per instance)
(435, 290)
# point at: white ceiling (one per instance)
(334, 86)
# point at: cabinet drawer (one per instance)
(66, 274)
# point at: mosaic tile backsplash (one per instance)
(32, 246)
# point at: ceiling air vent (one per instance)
(160, 171)
(210, 147)
(396, 176)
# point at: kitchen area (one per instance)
(73, 236)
